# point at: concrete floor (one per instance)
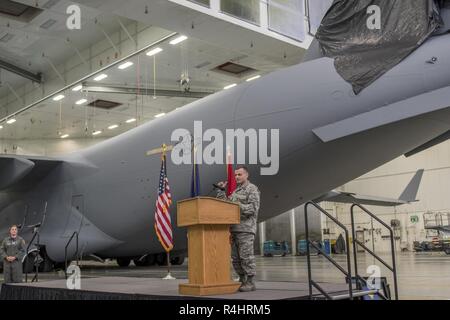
(421, 276)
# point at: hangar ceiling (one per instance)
(148, 87)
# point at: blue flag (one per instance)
(195, 182)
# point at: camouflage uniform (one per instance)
(243, 234)
(12, 271)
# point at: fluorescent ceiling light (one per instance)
(64, 136)
(1, 127)
(253, 78)
(58, 97)
(159, 115)
(178, 40)
(113, 127)
(154, 51)
(101, 77)
(77, 88)
(130, 120)
(11, 121)
(81, 101)
(230, 86)
(125, 65)
(96, 133)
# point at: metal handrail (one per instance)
(75, 233)
(392, 268)
(35, 234)
(348, 273)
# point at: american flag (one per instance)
(163, 224)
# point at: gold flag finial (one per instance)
(163, 149)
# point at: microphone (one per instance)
(218, 187)
(214, 188)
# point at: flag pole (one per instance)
(195, 173)
(169, 276)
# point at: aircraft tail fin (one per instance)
(410, 192)
(407, 196)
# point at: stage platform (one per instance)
(128, 288)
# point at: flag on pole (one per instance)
(195, 182)
(231, 185)
(163, 223)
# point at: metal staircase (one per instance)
(358, 287)
(393, 268)
(439, 221)
(36, 260)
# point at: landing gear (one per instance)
(60, 265)
(147, 261)
(151, 259)
(31, 262)
(139, 263)
(123, 262)
(46, 266)
(161, 259)
(177, 261)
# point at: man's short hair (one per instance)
(242, 167)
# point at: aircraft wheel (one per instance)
(123, 262)
(161, 259)
(139, 263)
(46, 265)
(150, 260)
(60, 265)
(28, 263)
(177, 261)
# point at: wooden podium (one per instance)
(209, 250)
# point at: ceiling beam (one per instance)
(146, 91)
(86, 77)
(21, 72)
(14, 92)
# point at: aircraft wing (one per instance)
(407, 196)
(429, 144)
(405, 109)
(20, 172)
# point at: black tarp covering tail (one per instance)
(365, 48)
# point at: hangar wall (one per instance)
(279, 228)
(389, 180)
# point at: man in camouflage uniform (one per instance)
(243, 234)
(12, 251)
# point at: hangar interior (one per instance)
(63, 90)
